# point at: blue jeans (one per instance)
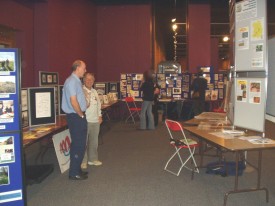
(146, 108)
(78, 131)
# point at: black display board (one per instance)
(41, 106)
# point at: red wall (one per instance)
(123, 40)
(52, 35)
(199, 45)
(65, 32)
(20, 18)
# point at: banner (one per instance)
(62, 143)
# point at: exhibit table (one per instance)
(236, 144)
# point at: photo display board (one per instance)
(250, 100)
(12, 187)
(250, 36)
(42, 108)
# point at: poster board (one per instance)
(12, 184)
(251, 36)
(250, 101)
(62, 144)
(41, 105)
(270, 102)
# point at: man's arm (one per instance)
(76, 106)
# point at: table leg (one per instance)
(258, 188)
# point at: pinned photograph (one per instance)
(7, 149)
(4, 175)
(7, 62)
(7, 85)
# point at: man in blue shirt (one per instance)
(74, 105)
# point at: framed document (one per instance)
(48, 78)
(41, 106)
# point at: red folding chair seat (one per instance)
(180, 142)
(132, 108)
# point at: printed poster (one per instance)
(62, 144)
(257, 59)
(257, 30)
(242, 37)
(7, 149)
(255, 92)
(241, 91)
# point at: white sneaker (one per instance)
(96, 163)
(83, 165)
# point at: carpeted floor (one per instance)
(132, 175)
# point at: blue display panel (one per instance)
(9, 90)
(12, 189)
(11, 182)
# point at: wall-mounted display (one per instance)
(48, 78)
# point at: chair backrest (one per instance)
(129, 99)
(175, 128)
(130, 102)
(172, 127)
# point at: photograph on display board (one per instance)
(169, 92)
(216, 77)
(113, 87)
(163, 93)
(136, 85)
(4, 175)
(255, 92)
(24, 99)
(176, 90)
(48, 78)
(122, 76)
(207, 95)
(214, 94)
(139, 77)
(220, 85)
(7, 85)
(7, 62)
(169, 82)
(6, 111)
(178, 82)
(7, 149)
(241, 91)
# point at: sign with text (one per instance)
(62, 143)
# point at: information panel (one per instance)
(250, 100)
(250, 36)
(12, 189)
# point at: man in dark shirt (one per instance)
(199, 85)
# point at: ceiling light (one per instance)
(174, 27)
(225, 39)
(173, 20)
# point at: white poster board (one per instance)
(62, 143)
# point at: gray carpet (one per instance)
(132, 175)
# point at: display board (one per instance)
(12, 187)
(250, 36)
(60, 93)
(250, 101)
(270, 102)
(42, 106)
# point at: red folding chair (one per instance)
(132, 108)
(179, 141)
